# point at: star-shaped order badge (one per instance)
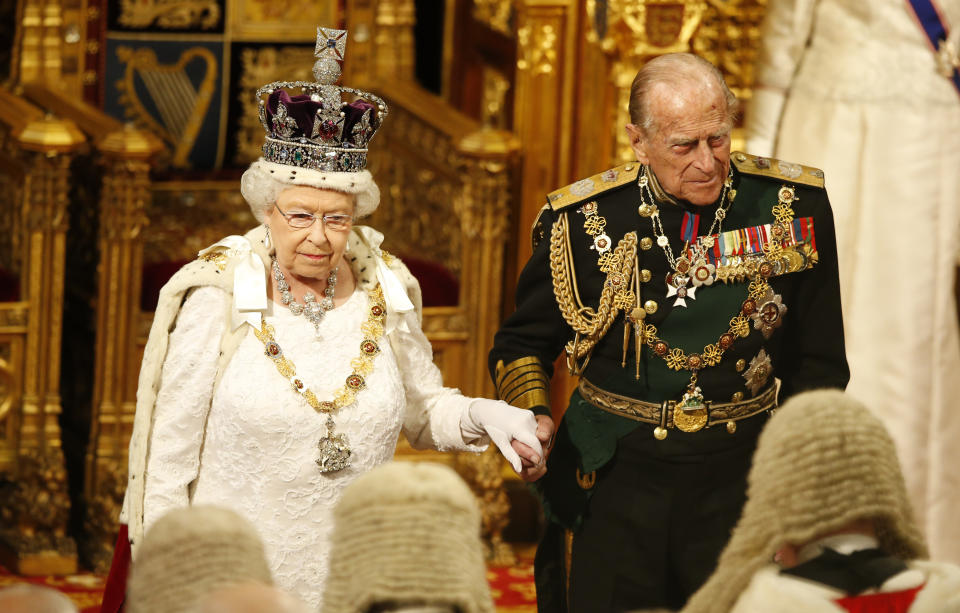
(769, 313)
(677, 286)
(760, 368)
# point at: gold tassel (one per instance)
(626, 341)
(640, 341)
(637, 315)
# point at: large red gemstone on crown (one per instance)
(328, 129)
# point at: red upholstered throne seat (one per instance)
(439, 286)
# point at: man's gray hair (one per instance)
(673, 68)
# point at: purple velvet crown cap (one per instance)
(317, 129)
(303, 109)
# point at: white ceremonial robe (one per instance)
(851, 87)
(225, 428)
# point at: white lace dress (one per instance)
(861, 98)
(258, 455)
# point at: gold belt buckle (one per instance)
(691, 414)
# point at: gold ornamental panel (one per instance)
(11, 356)
(493, 108)
(537, 48)
(173, 14)
(186, 216)
(729, 37)
(259, 66)
(725, 32)
(499, 15)
(414, 166)
(280, 20)
(628, 28)
(11, 236)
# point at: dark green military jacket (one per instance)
(805, 351)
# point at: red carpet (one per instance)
(512, 587)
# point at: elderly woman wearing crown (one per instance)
(284, 363)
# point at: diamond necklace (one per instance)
(312, 310)
(678, 280)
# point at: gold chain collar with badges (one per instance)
(335, 450)
(693, 410)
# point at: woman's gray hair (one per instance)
(673, 68)
(263, 181)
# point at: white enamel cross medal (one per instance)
(677, 286)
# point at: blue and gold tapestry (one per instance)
(187, 70)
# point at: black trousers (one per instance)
(660, 514)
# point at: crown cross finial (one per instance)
(331, 43)
(331, 46)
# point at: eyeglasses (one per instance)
(338, 222)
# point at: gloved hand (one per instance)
(503, 423)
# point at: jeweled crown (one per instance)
(316, 129)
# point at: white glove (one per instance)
(502, 423)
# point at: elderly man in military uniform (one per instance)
(691, 291)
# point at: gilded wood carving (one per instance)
(173, 14)
(259, 66)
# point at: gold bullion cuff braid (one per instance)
(649, 412)
(523, 383)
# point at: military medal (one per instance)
(702, 274)
(677, 286)
(692, 265)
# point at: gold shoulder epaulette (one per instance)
(591, 187)
(777, 169)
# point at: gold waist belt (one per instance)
(662, 414)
